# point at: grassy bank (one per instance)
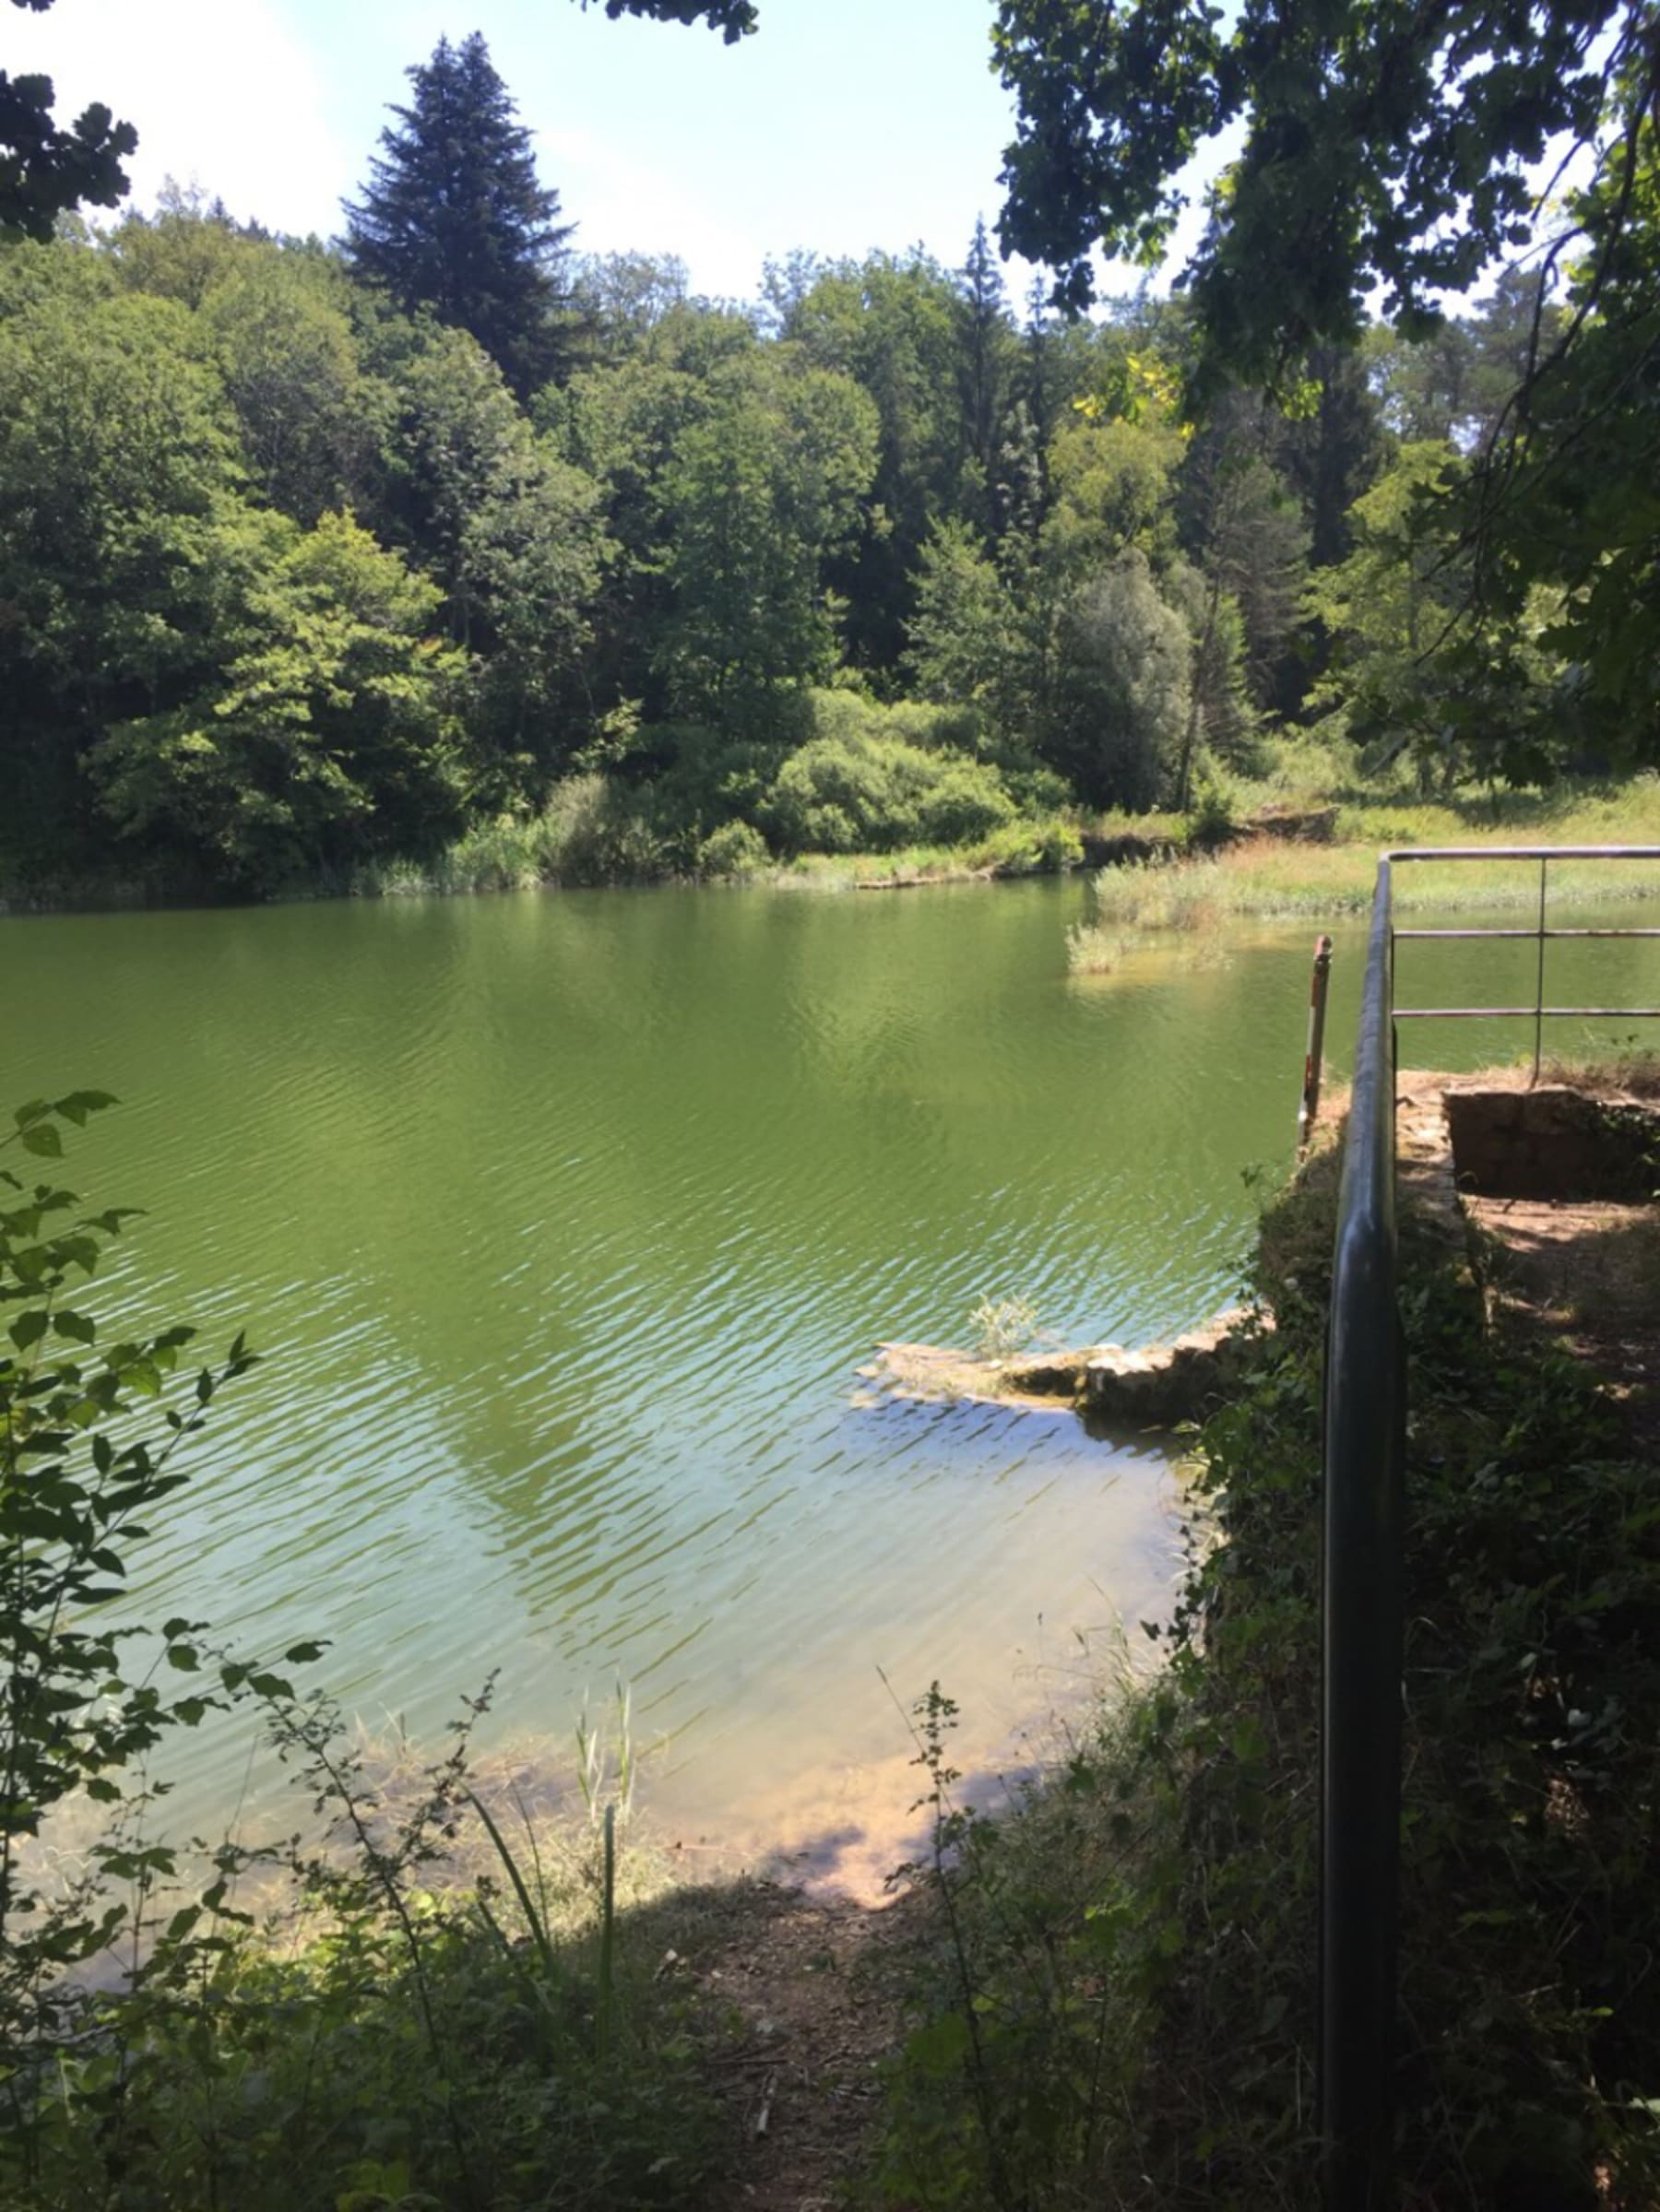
(1192, 873)
(1117, 2005)
(1264, 878)
(590, 837)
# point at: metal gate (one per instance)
(1364, 1454)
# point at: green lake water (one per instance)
(566, 1224)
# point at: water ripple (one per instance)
(565, 1223)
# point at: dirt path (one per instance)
(1589, 1275)
(801, 1993)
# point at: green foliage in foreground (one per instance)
(424, 2044)
(391, 2038)
(1118, 2004)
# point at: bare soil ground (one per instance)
(1585, 1271)
(800, 1994)
(1589, 1275)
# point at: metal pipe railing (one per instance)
(1539, 1013)
(1363, 1546)
(1361, 1631)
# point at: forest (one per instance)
(318, 555)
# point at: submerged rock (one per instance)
(1159, 1387)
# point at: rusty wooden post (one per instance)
(1317, 1010)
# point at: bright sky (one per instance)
(843, 124)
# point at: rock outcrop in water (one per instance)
(1158, 1387)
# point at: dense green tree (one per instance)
(1561, 501)
(1223, 721)
(1331, 450)
(1415, 671)
(240, 696)
(323, 729)
(1119, 690)
(1458, 382)
(968, 643)
(116, 446)
(757, 493)
(1244, 529)
(621, 424)
(622, 297)
(893, 324)
(986, 352)
(454, 218)
(511, 533)
(46, 171)
(786, 285)
(1113, 485)
(183, 249)
(1056, 368)
(311, 420)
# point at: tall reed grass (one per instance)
(1267, 878)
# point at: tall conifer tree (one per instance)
(454, 218)
(984, 346)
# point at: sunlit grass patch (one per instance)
(1272, 879)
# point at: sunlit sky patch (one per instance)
(843, 125)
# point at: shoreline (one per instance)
(1277, 857)
(823, 873)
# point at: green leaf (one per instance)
(111, 1221)
(28, 1328)
(942, 2046)
(79, 1327)
(39, 1137)
(79, 1103)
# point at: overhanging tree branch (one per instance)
(46, 172)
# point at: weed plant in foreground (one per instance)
(1116, 2003)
